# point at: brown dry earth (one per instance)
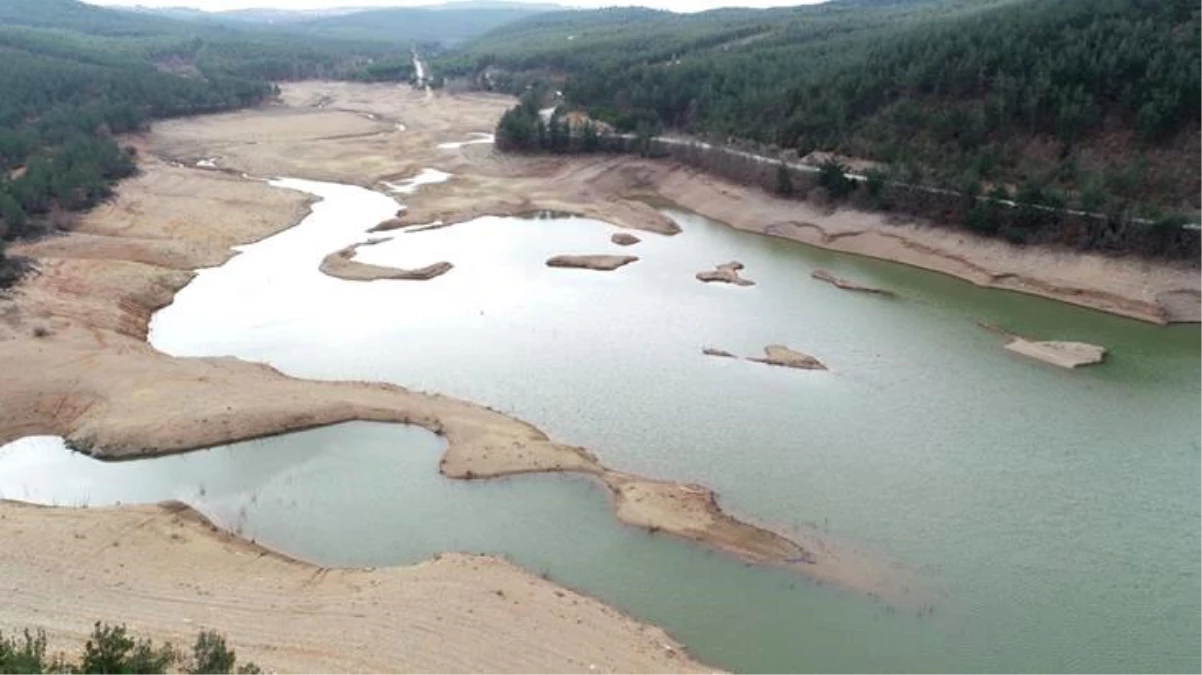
(76, 364)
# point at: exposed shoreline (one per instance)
(73, 338)
(617, 189)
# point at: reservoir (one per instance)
(1049, 518)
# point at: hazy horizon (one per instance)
(221, 5)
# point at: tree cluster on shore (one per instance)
(111, 649)
(524, 128)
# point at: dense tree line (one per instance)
(524, 128)
(1096, 102)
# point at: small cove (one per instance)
(1054, 514)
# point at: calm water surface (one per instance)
(1052, 517)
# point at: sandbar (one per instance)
(1057, 352)
(603, 263)
(341, 264)
(780, 355)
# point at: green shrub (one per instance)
(833, 177)
(111, 649)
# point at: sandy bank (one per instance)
(714, 351)
(823, 275)
(165, 572)
(1131, 287)
(727, 273)
(341, 264)
(603, 263)
(624, 239)
(780, 355)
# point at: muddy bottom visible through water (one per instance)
(1048, 519)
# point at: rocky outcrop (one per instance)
(727, 274)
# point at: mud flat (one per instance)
(603, 263)
(1058, 353)
(727, 273)
(780, 355)
(342, 265)
(714, 351)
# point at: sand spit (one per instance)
(823, 275)
(342, 265)
(727, 273)
(780, 355)
(1059, 353)
(166, 572)
(714, 351)
(603, 263)
(624, 239)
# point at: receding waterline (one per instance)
(1007, 483)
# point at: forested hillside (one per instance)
(1092, 103)
(74, 76)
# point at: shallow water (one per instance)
(1052, 517)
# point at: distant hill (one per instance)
(443, 23)
(73, 76)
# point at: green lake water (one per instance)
(1050, 517)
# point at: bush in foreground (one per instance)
(111, 649)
